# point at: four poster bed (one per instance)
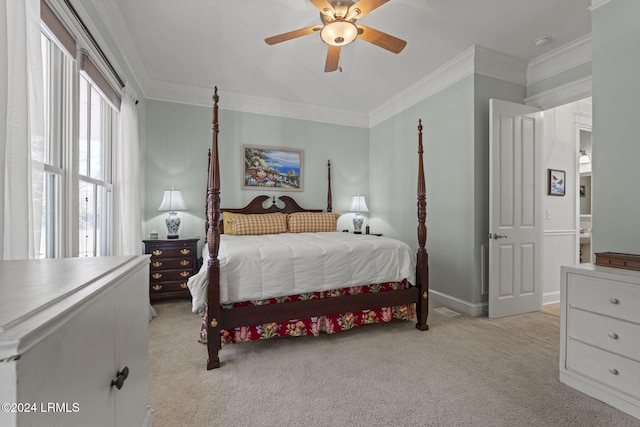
(283, 270)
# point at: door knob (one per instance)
(497, 236)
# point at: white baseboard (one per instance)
(480, 309)
(551, 297)
(457, 304)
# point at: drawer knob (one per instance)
(185, 273)
(120, 378)
(613, 300)
(613, 371)
(156, 275)
(183, 285)
(157, 264)
(613, 335)
(157, 252)
(156, 287)
(185, 251)
(184, 262)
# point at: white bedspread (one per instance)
(274, 265)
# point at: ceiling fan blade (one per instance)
(365, 6)
(383, 40)
(333, 56)
(324, 7)
(292, 34)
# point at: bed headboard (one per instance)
(257, 205)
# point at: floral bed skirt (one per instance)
(314, 325)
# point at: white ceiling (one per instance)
(187, 47)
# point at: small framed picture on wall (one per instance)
(556, 182)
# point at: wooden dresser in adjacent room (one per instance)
(173, 261)
(600, 334)
(73, 342)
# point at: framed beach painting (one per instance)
(271, 168)
(557, 182)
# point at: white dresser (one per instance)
(600, 334)
(73, 342)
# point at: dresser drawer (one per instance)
(604, 296)
(615, 371)
(609, 334)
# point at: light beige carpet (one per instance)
(462, 372)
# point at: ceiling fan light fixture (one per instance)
(339, 33)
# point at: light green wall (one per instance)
(447, 119)
(616, 150)
(456, 144)
(178, 137)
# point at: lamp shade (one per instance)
(358, 204)
(172, 201)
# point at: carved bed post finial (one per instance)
(422, 191)
(329, 201)
(213, 244)
(422, 264)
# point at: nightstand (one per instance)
(173, 261)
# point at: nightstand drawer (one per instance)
(616, 336)
(169, 252)
(164, 275)
(167, 287)
(602, 296)
(171, 264)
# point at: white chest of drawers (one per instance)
(600, 334)
(69, 330)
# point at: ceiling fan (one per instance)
(339, 28)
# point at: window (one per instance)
(57, 79)
(96, 123)
(81, 115)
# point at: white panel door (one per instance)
(515, 231)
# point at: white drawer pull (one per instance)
(614, 371)
(614, 300)
(613, 335)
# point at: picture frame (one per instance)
(557, 182)
(272, 168)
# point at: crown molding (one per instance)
(597, 3)
(200, 96)
(500, 66)
(564, 58)
(444, 76)
(564, 94)
(295, 110)
(475, 59)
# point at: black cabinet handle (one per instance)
(120, 377)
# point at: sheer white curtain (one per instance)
(21, 129)
(126, 182)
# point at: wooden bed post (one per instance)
(213, 244)
(329, 204)
(422, 264)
